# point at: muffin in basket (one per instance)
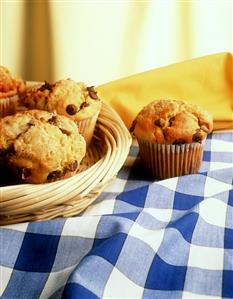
(10, 88)
(67, 97)
(38, 146)
(171, 135)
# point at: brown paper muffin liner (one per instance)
(8, 105)
(166, 161)
(87, 127)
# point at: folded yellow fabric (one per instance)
(206, 81)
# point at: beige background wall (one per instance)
(99, 41)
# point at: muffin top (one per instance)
(9, 85)
(40, 146)
(66, 97)
(172, 122)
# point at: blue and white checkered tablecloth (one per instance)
(140, 239)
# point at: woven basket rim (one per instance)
(68, 197)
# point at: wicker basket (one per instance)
(105, 157)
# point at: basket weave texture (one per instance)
(104, 158)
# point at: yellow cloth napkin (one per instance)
(206, 81)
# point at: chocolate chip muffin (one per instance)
(170, 135)
(67, 97)
(10, 88)
(40, 147)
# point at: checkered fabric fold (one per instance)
(140, 239)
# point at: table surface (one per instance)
(140, 239)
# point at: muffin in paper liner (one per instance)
(8, 105)
(69, 98)
(40, 147)
(87, 127)
(171, 160)
(171, 136)
(10, 88)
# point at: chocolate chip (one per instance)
(53, 120)
(171, 121)
(179, 141)
(31, 123)
(66, 132)
(71, 109)
(25, 173)
(46, 101)
(159, 122)
(72, 166)
(83, 105)
(46, 86)
(27, 105)
(54, 175)
(131, 129)
(197, 137)
(90, 88)
(92, 93)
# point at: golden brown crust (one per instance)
(172, 122)
(40, 146)
(67, 97)
(9, 85)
